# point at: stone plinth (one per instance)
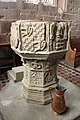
(40, 45)
(16, 74)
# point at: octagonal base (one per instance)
(39, 77)
(38, 95)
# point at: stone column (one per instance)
(40, 45)
(39, 76)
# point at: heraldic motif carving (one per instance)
(39, 36)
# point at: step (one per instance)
(11, 76)
(18, 72)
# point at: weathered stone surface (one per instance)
(14, 107)
(65, 10)
(2, 13)
(7, 5)
(10, 75)
(16, 74)
(12, 14)
(20, 4)
(40, 45)
(5, 26)
(4, 38)
(36, 39)
(68, 16)
(73, 6)
(39, 76)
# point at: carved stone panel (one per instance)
(40, 37)
(59, 36)
(48, 76)
(39, 73)
(33, 36)
(36, 78)
(36, 65)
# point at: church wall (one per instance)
(41, 12)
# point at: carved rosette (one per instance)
(40, 45)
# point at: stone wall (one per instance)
(7, 5)
(73, 13)
(70, 12)
(12, 11)
(38, 12)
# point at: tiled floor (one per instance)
(3, 80)
(71, 74)
(15, 107)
